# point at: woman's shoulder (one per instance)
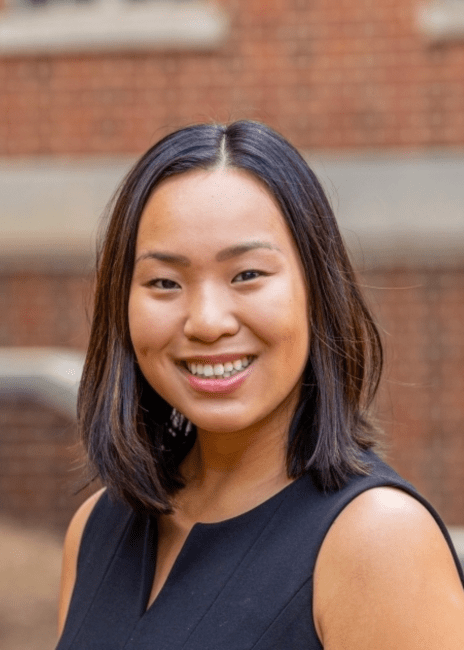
(385, 577)
(71, 548)
(384, 519)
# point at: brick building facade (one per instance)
(356, 85)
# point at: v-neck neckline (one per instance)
(198, 530)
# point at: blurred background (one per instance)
(372, 93)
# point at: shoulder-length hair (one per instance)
(134, 439)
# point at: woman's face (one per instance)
(218, 310)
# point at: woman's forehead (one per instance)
(224, 204)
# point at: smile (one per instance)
(219, 370)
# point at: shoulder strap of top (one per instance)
(103, 529)
(305, 517)
(101, 539)
(331, 504)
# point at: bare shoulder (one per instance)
(70, 553)
(383, 516)
(385, 577)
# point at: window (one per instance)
(68, 26)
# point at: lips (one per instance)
(224, 386)
(218, 374)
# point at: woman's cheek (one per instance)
(150, 324)
(281, 312)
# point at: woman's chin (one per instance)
(218, 424)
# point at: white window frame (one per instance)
(111, 25)
(442, 20)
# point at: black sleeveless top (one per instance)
(241, 584)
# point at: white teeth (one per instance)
(219, 370)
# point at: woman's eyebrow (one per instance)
(226, 254)
(239, 249)
(163, 256)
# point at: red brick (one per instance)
(330, 74)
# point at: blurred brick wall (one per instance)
(44, 309)
(40, 465)
(327, 73)
(420, 406)
(41, 473)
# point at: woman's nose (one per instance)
(210, 315)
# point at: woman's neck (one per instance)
(229, 473)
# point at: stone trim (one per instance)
(393, 208)
(111, 26)
(442, 20)
(48, 375)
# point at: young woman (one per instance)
(224, 405)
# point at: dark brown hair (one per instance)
(134, 439)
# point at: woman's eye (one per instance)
(163, 283)
(247, 275)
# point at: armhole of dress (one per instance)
(404, 486)
(411, 491)
(439, 521)
(87, 531)
(116, 516)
